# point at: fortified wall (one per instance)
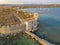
(15, 20)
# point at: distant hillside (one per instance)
(33, 5)
(41, 6)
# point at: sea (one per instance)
(49, 24)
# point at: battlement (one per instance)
(10, 17)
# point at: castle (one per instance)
(15, 20)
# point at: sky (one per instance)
(29, 1)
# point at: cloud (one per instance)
(29, 1)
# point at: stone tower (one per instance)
(35, 16)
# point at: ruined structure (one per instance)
(14, 20)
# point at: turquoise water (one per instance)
(49, 23)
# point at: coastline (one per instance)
(39, 40)
(31, 5)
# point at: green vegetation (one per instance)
(23, 40)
